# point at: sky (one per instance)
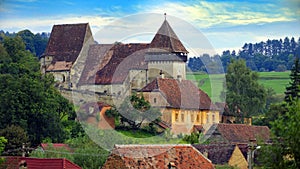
(222, 24)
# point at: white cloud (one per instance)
(45, 24)
(207, 14)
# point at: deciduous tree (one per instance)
(244, 95)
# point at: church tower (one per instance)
(166, 55)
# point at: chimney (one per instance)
(179, 78)
(162, 75)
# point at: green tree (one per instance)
(284, 151)
(134, 111)
(30, 100)
(16, 137)
(244, 95)
(3, 141)
(293, 90)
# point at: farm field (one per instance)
(212, 84)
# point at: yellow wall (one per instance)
(237, 159)
(188, 118)
(180, 116)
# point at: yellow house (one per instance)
(183, 105)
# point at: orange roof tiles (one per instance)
(157, 156)
(59, 66)
(180, 94)
(237, 133)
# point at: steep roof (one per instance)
(166, 39)
(237, 133)
(38, 163)
(98, 56)
(115, 64)
(156, 156)
(217, 153)
(66, 41)
(180, 94)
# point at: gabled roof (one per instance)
(180, 94)
(39, 163)
(115, 64)
(217, 153)
(156, 156)
(237, 133)
(66, 41)
(167, 40)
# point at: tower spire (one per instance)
(165, 16)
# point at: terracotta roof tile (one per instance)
(98, 56)
(38, 163)
(166, 39)
(66, 41)
(114, 66)
(157, 156)
(238, 133)
(59, 66)
(180, 94)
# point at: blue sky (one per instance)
(226, 24)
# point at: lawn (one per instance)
(213, 84)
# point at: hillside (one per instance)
(275, 80)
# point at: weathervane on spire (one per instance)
(165, 16)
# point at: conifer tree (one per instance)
(293, 90)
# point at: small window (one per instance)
(192, 117)
(213, 118)
(176, 117)
(198, 118)
(182, 117)
(63, 78)
(154, 100)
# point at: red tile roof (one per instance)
(59, 66)
(166, 39)
(114, 64)
(156, 156)
(98, 56)
(180, 94)
(237, 133)
(66, 41)
(39, 163)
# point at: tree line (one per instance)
(271, 55)
(35, 43)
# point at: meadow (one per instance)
(212, 84)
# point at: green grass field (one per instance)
(213, 84)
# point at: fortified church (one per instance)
(156, 70)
